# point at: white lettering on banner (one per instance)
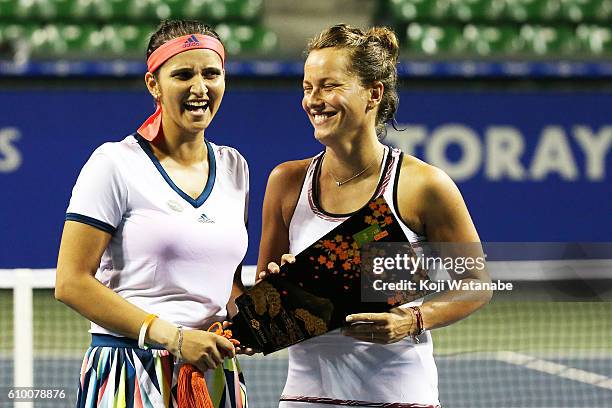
(595, 147)
(505, 147)
(466, 138)
(553, 155)
(502, 152)
(10, 157)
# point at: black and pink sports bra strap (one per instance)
(391, 160)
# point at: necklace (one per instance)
(340, 183)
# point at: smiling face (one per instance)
(334, 99)
(190, 86)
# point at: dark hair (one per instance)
(170, 29)
(373, 57)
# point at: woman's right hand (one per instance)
(205, 350)
(274, 268)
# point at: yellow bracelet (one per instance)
(143, 329)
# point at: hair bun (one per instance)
(386, 38)
(372, 58)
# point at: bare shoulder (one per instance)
(430, 201)
(284, 186)
(425, 180)
(423, 191)
(289, 173)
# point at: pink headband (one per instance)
(150, 128)
(181, 44)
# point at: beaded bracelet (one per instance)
(143, 329)
(419, 323)
(179, 348)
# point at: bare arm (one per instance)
(79, 257)
(282, 192)
(237, 290)
(430, 200)
(446, 219)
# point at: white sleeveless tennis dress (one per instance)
(334, 370)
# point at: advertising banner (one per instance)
(532, 166)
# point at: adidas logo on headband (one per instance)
(191, 42)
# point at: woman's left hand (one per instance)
(274, 268)
(381, 328)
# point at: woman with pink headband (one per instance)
(154, 240)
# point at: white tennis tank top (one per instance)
(338, 367)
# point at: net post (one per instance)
(23, 331)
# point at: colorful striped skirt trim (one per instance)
(117, 374)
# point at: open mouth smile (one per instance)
(197, 107)
(322, 117)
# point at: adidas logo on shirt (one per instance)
(204, 219)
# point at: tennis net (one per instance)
(529, 353)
